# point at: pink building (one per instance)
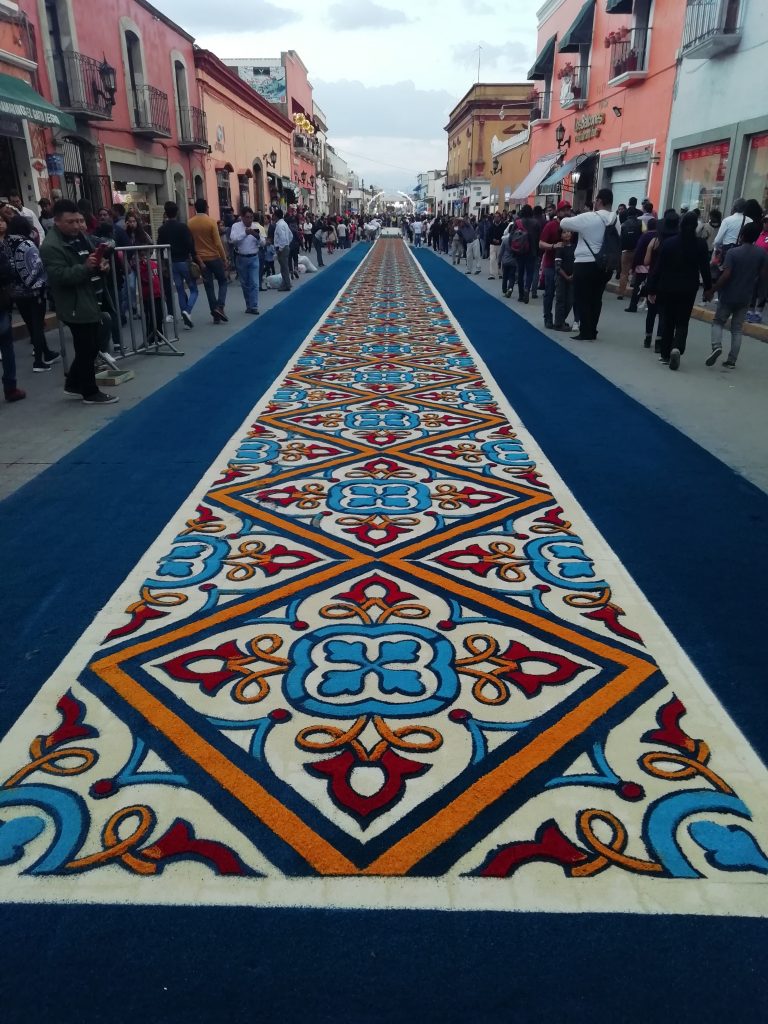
(126, 73)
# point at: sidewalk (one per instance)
(725, 411)
(39, 431)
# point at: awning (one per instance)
(533, 178)
(545, 61)
(287, 183)
(19, 99)
(580, 32)
(567, 168)
(619, 6)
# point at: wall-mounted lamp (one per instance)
(108, 77)
(617, 111)
(270, 158)
(502, 112)
(495, 165)
(575, 177)
(562, 142)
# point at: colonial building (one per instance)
(718, 135)
(605, 73)
(476, 180)
(250, 141)
(284, 82)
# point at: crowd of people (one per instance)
(98, 269)
(662, 261)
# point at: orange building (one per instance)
(605, 74)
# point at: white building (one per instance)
(718, 135)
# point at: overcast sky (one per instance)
(385, 76)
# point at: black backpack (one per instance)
(608, 256)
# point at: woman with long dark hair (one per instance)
(682, 260)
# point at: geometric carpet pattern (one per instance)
(381, 657)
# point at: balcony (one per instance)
(541, 111)
(83, 90)
(306, 146)
(629, 58)
(711, 27)
(193, 132)
(573, 88)
(149, 112)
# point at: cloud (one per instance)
(354, 14)
(511, 55)
(391, 162)
(203, 15)
(399, 110)
(477, 7)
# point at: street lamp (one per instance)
(270, 158)
(108, 78)
(560, 136)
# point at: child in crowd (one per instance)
(564, 257)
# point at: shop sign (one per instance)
(698, 152)
(588, 126)
(55, 163)
(11, 127)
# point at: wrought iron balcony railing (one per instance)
(83, 90)
(150, 112)
(711, 27)
(193, 128)
(630, 55)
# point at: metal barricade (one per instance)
(142, 322)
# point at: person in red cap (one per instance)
(549, 243)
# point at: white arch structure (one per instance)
(383, 192)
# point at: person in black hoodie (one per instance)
(631, 229)
(673, 282)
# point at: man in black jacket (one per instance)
(630, 233)
(176, 234)
(495, 235)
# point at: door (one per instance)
(627, 182)
(56, 39)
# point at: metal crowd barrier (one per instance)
(151, 325)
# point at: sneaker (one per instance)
(187, 320)
(647, 341)
(713, 356)
(51, 357)
(729, 364)
(576, 329)
(664, 361)
(109, 359)
(99, 398)
(630, 309)
(40, 367)
(674, 359)
(222, 315)
(217, 318)
(467, 271)
(478, 272)
(549, 325)
(621, 297)
(169, 318)
(561, 327)
(255, 312)
(15, 395)
(491, 277)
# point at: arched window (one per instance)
(136, 100)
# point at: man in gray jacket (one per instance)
(468, 233)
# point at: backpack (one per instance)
(519, 242)
(608, 256)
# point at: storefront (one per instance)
(143, 188)
(756, 176)
(701, 176)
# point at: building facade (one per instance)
(605, 74)
(474, 181)
(718, 134)
(284, 82)
(250, 141)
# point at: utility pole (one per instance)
(479, 51)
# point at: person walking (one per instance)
(211, 254)
(307, 230)
(745, 264)
(507, 265)
(590, 274)
(668, 227)
(29, 290)
(468, 233)
(673, 283)
(549, 245)
(178, 236)
(730, 228)
(11, 390)
(534, 227)
(283, 240)
(760, 294)
(18, 205)
(631, 232)
(318, 238)
(74, 278)
(495, 235)
(245, 237)
(522, 232)
(640, 269)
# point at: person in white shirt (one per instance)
(589, 279)
(730, 227)
(308, 230)
(245, 239)
(341, 234)
(416, 229)
(17, 203)
(283, 239)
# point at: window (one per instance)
(700, 179)
(222, 187)
(135, 76)
(756, 178)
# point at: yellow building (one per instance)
(488, 151)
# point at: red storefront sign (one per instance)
(713, 149)
(760, 141)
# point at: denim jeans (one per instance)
(215, 269)
(6, 351)
(736, 314)
(549, 293)
(183, 280)
(248, 273)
